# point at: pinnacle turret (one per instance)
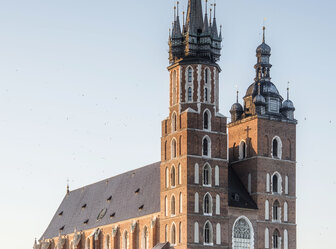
(197, 39)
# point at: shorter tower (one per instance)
(262, 140)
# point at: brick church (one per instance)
(218, 185)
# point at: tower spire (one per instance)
(194, 16)
(288, 90)
(264, 28)
(237, 96)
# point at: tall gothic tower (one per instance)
(262, 145)
(194, 149)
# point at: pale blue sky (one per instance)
(84, 85)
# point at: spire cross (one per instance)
(214, 9)
(288, 90)
(174, 13)
(247, 131)
(206, 7)
(237, 96)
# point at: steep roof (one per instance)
(238, 195)
(126, 196)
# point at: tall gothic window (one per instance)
(173, 148)
(172, 205)
(242, 150)
(107, 242)
(172, 177)
(206, 94)
(189, 75)
(125, 240)
(179, 176)
(208, 233)
(206, 76)
(207, 175)
(166, 233)
(206, 121)
(173, 234)
(180, 232)
(173, 120)
(180, 145)
(242, 235)
(206, 146)
(276, 211)
(207, 204)
(275, 184)
(189, 94)
(276, 239)
(145, 238)
(276, 148)
(167, 177)
(180, 203)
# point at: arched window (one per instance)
(87, 243)
(268, 182)
(217, 204)
(172, 176)
(266, 238)
(166, 233)
(276, 183)
(286, 212)
(165, 151)
(145, 238)
(180, 232)
(166, 206)
(249, 183)
(208, 233)
(196, 232)
(277, 148)
(180, 203)
(266, 210)
(172, 205)
(180, 145)
(276, 239)
(173, 148)
(196, 174)
(189, 94)
(206, 120)
(217, 176)
(173, 235)
(167, 177)
(276, 211)
(206, 146)
(285, 239)
(125, 240)
(218, 234)
(190, 71)
(179, 174)
(107, 242)
(207, 204)
(173, 122)
(174, 83)
(206, 97)
(286, 185)
(242, 234)
(196, 202)
(242, 150)
(206, 76)
(207, 175)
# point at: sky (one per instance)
(84, 87)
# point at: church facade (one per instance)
(218, 185)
